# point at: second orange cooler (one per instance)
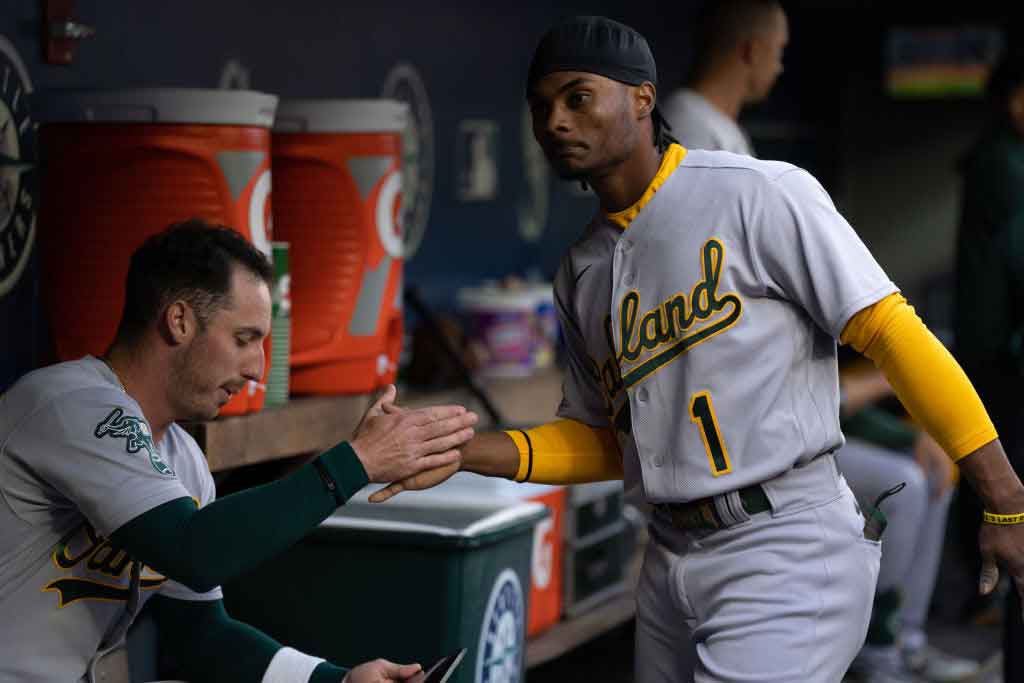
(337, 201)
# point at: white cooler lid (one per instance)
(341, 116)
(156, 105)
(483, 518)
(462, 488)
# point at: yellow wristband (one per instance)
(993, 518)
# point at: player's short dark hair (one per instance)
(723, 24)
(191, 261)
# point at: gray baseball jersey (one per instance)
(697, 124)
(77, 461)
(705, 332)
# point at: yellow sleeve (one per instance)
(926, 378)
(566, 452)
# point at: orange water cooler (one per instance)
(545, 598)
(337, 201)
(120, 166)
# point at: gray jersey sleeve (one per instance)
(93, 447)
(806, 252)
(581, 387)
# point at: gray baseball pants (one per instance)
(780, 597)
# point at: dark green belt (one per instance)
(702, 514)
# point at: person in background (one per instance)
(737, 60)
(882, 449)
(989, 297)
(107, 504)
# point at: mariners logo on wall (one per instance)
(499, 656)
(404, 84)
(17, 168)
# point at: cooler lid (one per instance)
(156, 105)
(453, 523)
(464, 489)
(341, 116)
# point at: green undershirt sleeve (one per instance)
(203, 548)
(200, 642)
(880, 428)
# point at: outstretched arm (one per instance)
(560, 452)
(237, 532)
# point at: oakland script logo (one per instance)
(85, 551)
(649, 340)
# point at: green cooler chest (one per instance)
(408, 581)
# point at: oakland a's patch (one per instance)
(136, 435)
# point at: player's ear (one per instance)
(178, 322)
(644, 97)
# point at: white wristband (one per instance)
(290, 666)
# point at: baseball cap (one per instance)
(596, 45)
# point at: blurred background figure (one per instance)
(738, 58)
(882, 451)
(989, 301)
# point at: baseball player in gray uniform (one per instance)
(80, 462)
(106, 504)
(701, 309)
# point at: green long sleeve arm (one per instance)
(200, 642)
(203, 548)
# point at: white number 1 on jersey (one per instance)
(703, 414)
